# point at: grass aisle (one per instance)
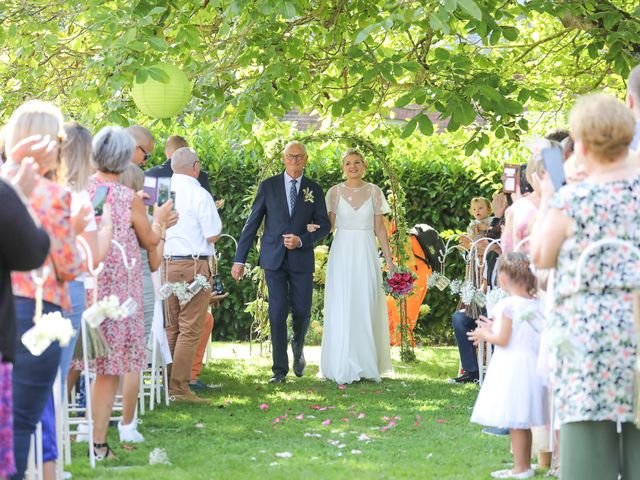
(412, 426)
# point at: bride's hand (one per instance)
(312, 227)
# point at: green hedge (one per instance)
(438, 185)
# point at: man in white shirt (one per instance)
(189, 245)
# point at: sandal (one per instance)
(107, 455)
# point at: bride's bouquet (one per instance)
(399, 283)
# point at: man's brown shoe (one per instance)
(188, 397)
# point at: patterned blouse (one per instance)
(594, 347)
(52, 205)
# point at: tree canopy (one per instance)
(477, 63)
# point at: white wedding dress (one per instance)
(355, 337)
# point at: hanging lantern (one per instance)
(163, 93)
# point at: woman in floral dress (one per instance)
(112, 152)
(594, 351)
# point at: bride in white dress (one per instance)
(355, 337)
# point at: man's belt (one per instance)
(187, 257)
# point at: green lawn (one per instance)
(234, 438)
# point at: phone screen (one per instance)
(151, 189)
(164, 187)
(553, 160)
(509, 178)
(99, 199)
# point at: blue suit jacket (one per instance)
(271, 206)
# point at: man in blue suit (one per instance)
(287, 203)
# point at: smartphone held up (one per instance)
(100, 199)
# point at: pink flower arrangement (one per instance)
(399, 283)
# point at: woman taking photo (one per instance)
(592, 363)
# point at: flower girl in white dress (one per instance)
(355, 337)
(512, 395)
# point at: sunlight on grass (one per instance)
(414, 425)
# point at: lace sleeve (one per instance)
(331, 198)
(380, 205)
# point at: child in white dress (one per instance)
(513, 395)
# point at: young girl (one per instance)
(512, 395)
(480, 209)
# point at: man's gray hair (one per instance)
(112, 150)
(293, 144)
(183, 159)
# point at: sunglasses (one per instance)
(147, 155)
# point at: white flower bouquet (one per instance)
(49, 328)
(185, 292)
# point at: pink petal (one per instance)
(342, 387)
(385, 418)
(344, 419)
(392, 423)
(315, 407)
(441, 420)
(361, 415)
(264, 406)
(326, 422)
(300, 417)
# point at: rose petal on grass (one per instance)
(258, 431)
(199, 425)
(128, 447)
(385, 418)
(363, 437)
(342, 386)
(273, 464)
(284, 455)
(326, 422)
(360, 416)
(264, 406)
(441, 420)
(344, 419)
(333, 442)
(300, 417)
(356, 452)
(392, 423)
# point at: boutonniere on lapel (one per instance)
(308, 195)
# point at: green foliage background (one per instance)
(439, 180)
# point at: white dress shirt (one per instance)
(287, 188)
(198, 221)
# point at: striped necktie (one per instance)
(293, 193)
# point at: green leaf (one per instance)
(141, 76)
(158, 74)
(404, 100)
(364, 33)
(156, 11)
(425, 124)
(158, 43)
(409, 127)
(510, 33)
(288, 10)
(471, 7)
(437, 24)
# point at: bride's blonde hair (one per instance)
(354, 151)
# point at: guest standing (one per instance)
(592, 362)
(113, 149)
(188, 248)
(33, 376)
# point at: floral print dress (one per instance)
(125, 336)
(594, 336)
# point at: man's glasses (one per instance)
(147, 155)
(299, 156)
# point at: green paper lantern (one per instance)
(163, 92)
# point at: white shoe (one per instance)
(129, 433)
(83, 433)
(509, 474)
